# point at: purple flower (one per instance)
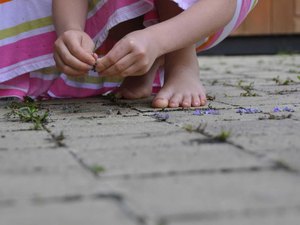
(212, 112)
(161, 116)
(198, 112)
(276, 109)
(201, 112)
(285, 109)
(248, 110)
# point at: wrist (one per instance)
(65, 29)
(164, 38)
(159, 46)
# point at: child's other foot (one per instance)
(139, 86)
(182, 86)
(135, 88)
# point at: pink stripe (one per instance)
(38, 86)
(19, 82)
(33, 86)
(60, 89)
(28, 48)
(12, 93)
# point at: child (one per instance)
(127, 49)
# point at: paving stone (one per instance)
(43, 173)
(24, 188)
(176, 153)
(24, 139)
(164, 197)
(259, 101)
(279, 89)
(224, 92)
(114, 126)
(276, 217)
(37, 161)
(92, 212)
(264, 138)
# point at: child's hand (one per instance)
(133, 55)
(73, 53)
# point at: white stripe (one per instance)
(42, 76)
(52, 95)
(185, 4)
(227, 29)
(5, 87)
(29, 9)
(26, 66)
(230, 26)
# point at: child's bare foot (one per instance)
(182, 86)
(135, 87)
(139, 86)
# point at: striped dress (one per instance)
(27, 36)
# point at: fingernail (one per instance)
(95, 56)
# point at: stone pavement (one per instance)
(98, 161)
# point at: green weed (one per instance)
(223, 136)
(287, 81)
(29, 111)
(97, 169)
(248, 88)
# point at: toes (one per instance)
(175, 97)
(203, 99)
(175, 101)
(160, 103)
(161, 100)
(187, 101)
(196, 102)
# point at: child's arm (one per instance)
(73, 47)
(196, 23)
(135, 54)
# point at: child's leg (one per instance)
(182, 83)
(139, 86)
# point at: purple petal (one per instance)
(287, 109)
(197, 112)
(276, 109)
(248, 110)
(161, 116)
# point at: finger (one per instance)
(136, 69)
(89, 45)
(118, 52)
(95, 56)
(61, 66)
(131, 72)
(118, 68)
(82, 49)
(68, 59)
